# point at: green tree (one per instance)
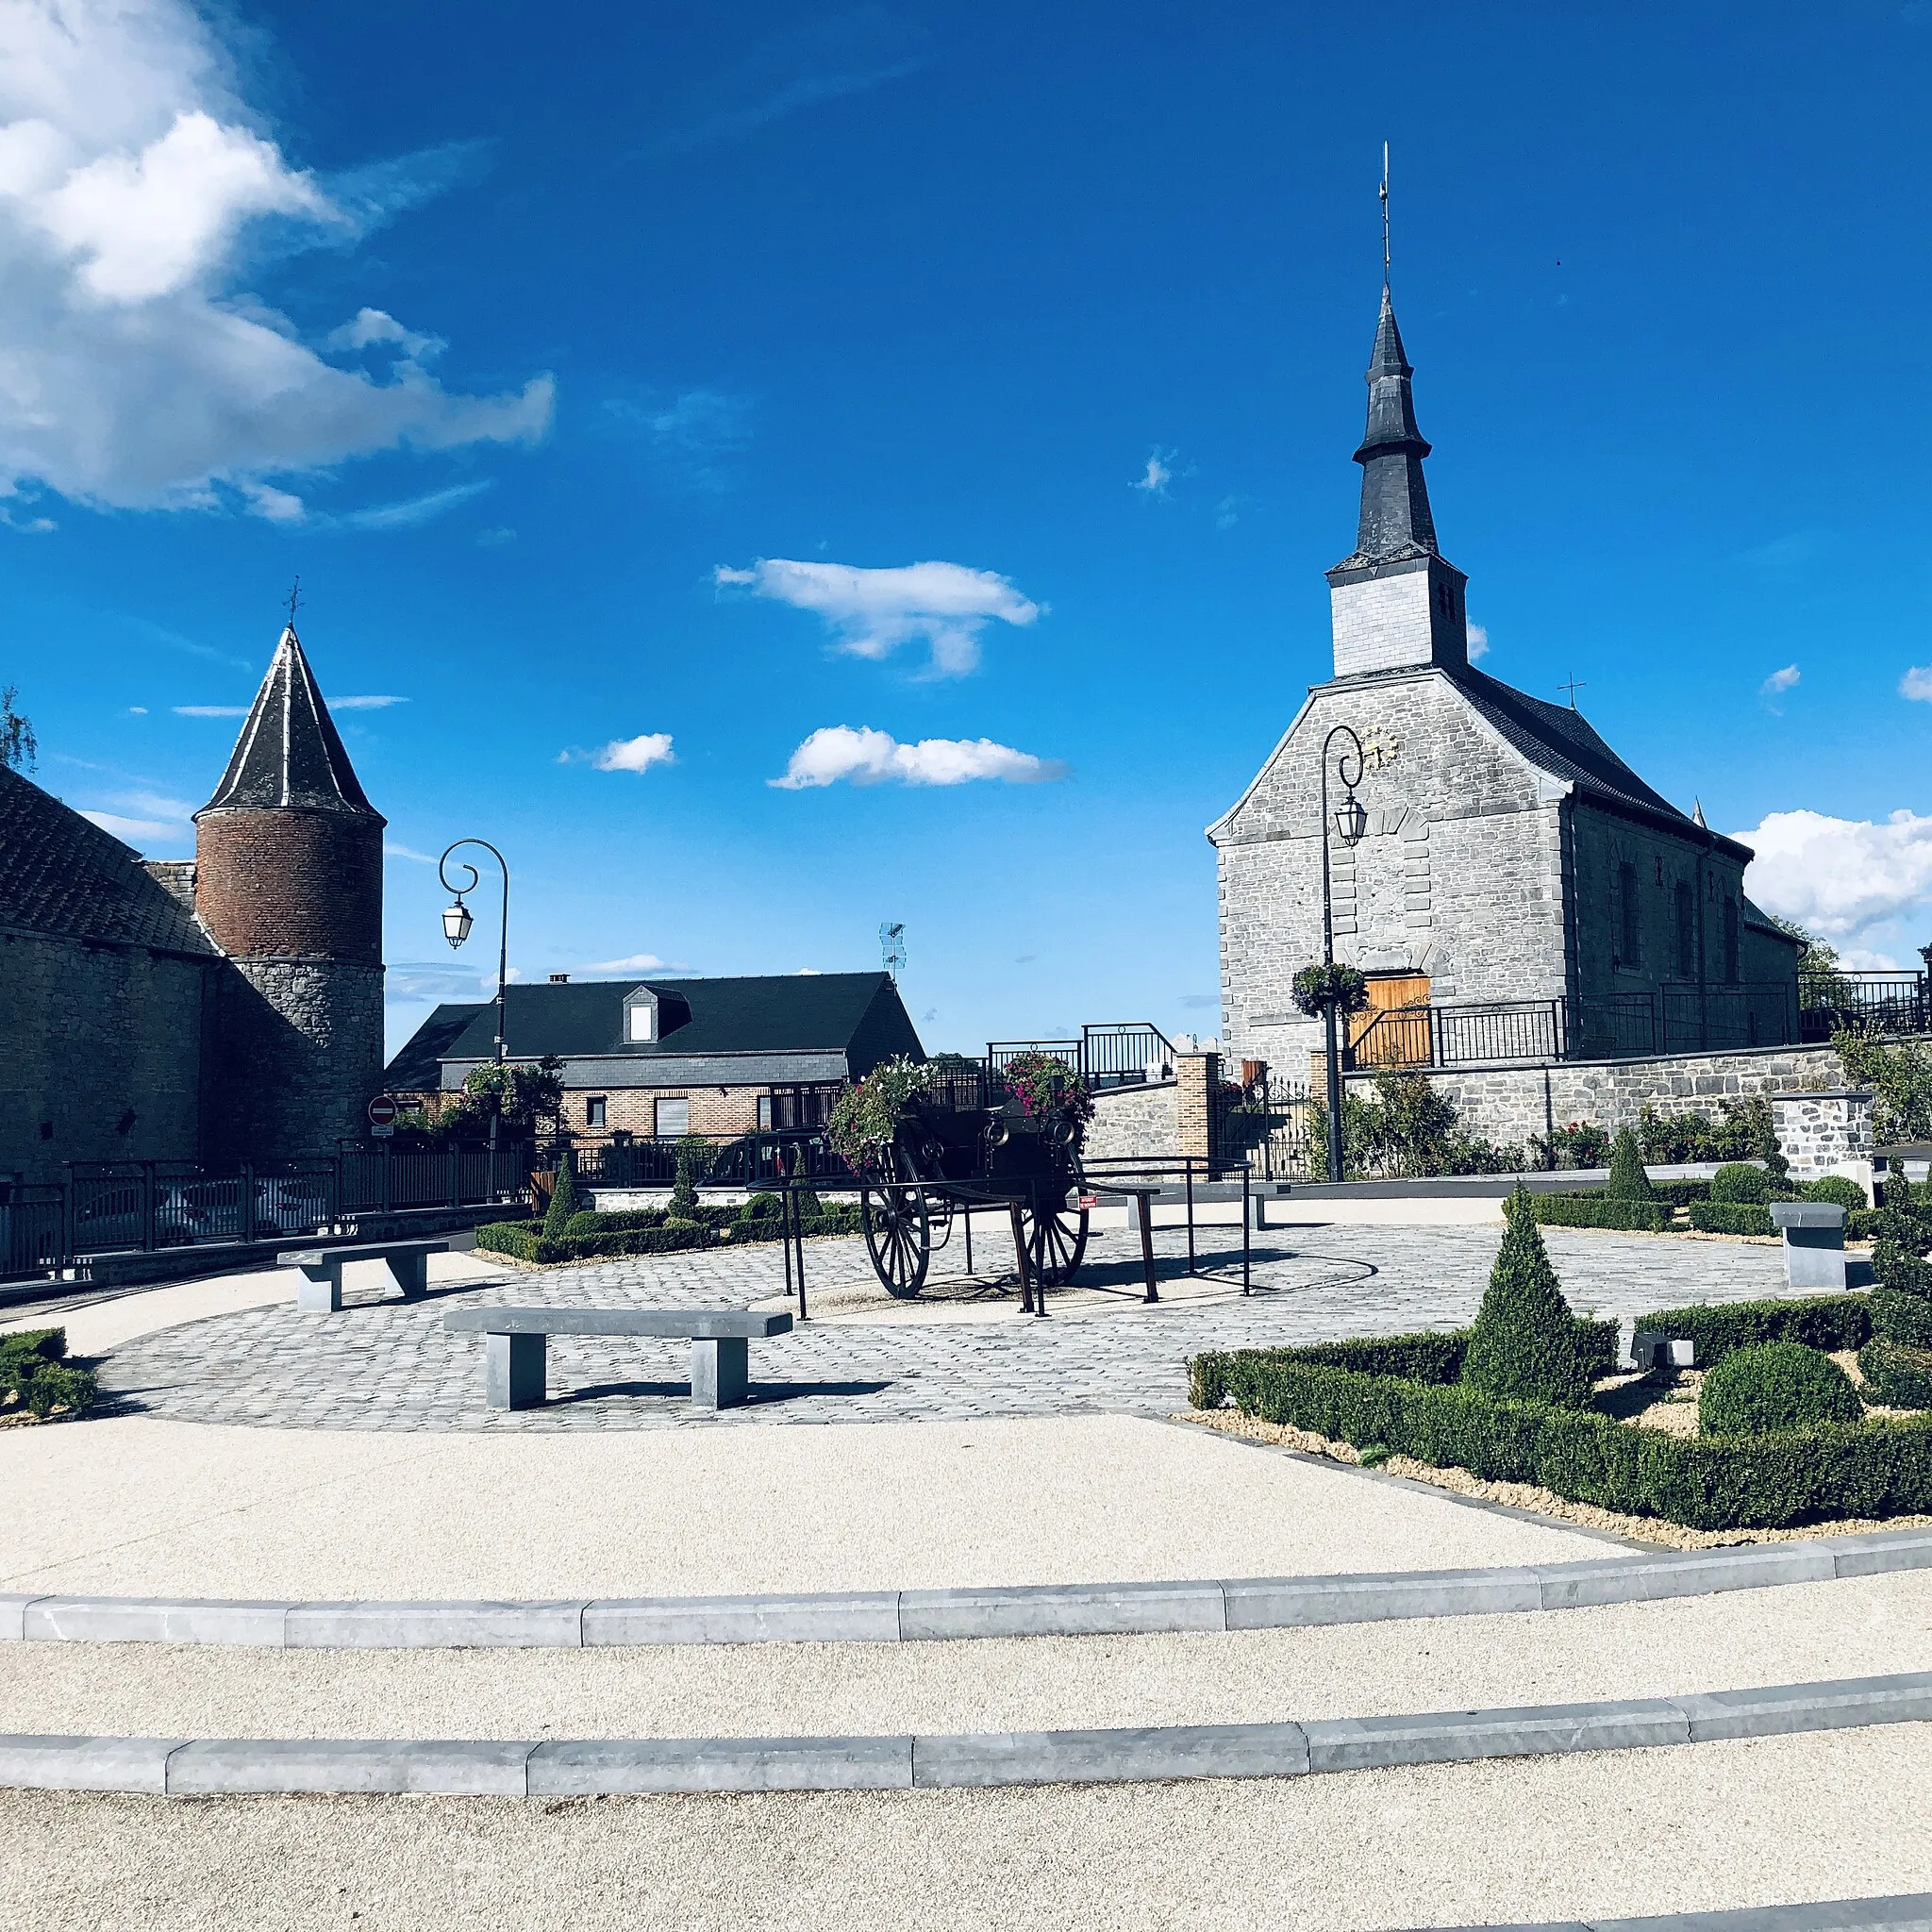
(1628, 1181)
(563, 1199)
(20, 750)
(684, 1194)
(1524, 1347)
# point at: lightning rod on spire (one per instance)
(1385, 212)
(294, 597)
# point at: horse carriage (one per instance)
(964, 1139)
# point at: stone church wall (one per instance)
(102, 1046)
(1460, 875)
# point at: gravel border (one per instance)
(1910, 1912)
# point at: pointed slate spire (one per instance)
(290, 757)
(1396, 522)
(1697, 814)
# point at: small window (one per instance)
(1687, 931)
(764, 1113)
(1731, 941)
(673, 1118)
(640, 1022)
(596, 1108)
(1629, 953)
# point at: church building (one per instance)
(1501, 877)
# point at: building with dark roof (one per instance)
(667, 1056)
(1508, 855)
(219, 1009)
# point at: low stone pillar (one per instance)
(1825, 1133)
(1197, 1077)
(1814, 1245)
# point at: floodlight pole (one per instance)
(1334, 1057)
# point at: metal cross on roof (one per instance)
(1574, 685)
(294, 597)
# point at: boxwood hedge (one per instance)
(1731, 1216)
(1601, 1211)
(1876, 1468)
(32, 1367)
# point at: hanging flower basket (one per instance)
(1319, 988)
(1048, 1090)
(867, 1115)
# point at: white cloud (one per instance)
(1779, 682)
(1155, 478)
(136, 711)
(417, 510)
(873, 758)
(636, 962)
(135, 186)
(1478, 641)
(872, 613)
(635, 754)
(374, 328)
(211, 710)
(1917, 683)
(1840, 878)
(390, 851)
(140, 833)
(364, 703)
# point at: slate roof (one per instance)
(60, 875)
(1563, 743)
(858, 1015)
(290, 754)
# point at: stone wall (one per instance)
(1134, 1119)
(297, 1051)
(1826, 1133)
(1505, 1103)
(102, 1056)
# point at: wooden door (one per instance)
(1394, 1044)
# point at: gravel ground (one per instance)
(1797, 1633)
(138, 1507)
(1708, 1827)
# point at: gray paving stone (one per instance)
(1573, 1586)
(1780, 1708)
(825, 1617)
(1057, 1609)
(461, 1768)
(551, 1626)
(1112, 1757)
(1877, 1553)
(87, 1764)
(1452, 1737)
(13, 1604)
(720, 1764)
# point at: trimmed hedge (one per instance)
(1898, 1377)
(1627, 1181)
(1731, 1216)
(1681, 1193)
(1772, 1387)
(1837, 1189)
(1522, 1345)
(660, 1235)
(1601, 1211)
(1739, 1180)
(1880, 1467)
(1826, 1322)
(1902, 1316)
(33, 1368)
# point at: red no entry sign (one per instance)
(383, 1112)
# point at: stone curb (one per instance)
(591, 1767)
(1910, 1914)
(1052, 1609)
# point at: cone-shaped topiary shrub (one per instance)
(1738, 1180)
(563, 1201)
(1628, 1181)
(1775, 1387)
(684, 1194)
(1524, 1347)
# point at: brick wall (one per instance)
(94, 1035)
(277, 884)
(633, 1108)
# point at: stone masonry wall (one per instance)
(1134, 1119)
(98, 1040)
(1505, 1103)
(1460, 875)
(1826, 1133)
(297, 1052)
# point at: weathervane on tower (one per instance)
(294, 597)
(1385, 214)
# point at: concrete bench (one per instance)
(1814, 1243)
(514, 1345)
(320, 1290)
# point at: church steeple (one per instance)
(1396, 603)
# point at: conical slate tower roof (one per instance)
(290, 757)
(1396, 522)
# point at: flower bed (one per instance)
(588, 1237)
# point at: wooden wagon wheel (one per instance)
(898, 1236)
(1056, 1243)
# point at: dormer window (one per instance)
(640, 1017)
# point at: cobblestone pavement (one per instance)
(385, 1365)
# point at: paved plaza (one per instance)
(381, 1364)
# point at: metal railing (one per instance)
(1459, 1036)
(1118, 1053)
(716, 1160)
(1881, 1002)
(145, 1206)
(1266, 1124)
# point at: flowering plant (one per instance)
(1318, 988)
(867, 1114)
(1046, 1088)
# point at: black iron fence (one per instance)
(1265, 1123)
(714, 1160)
(1880, 1002)
(1117, 1054)
(140, 1206)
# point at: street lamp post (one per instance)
(1351, 821)
(456, 923)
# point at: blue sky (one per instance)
(585, 363)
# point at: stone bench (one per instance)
(1814, 1243)
(320, 1290)
(514, 1345)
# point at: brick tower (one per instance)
(288, 881)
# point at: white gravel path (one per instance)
(140, 1505)
(1799, 1633)
(1707, 1827)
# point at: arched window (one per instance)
(1686, 930)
